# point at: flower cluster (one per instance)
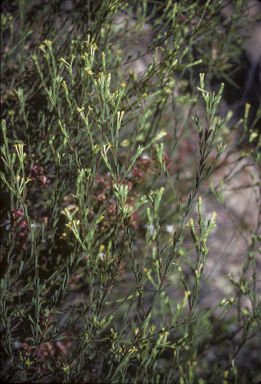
(18, 220)
(47, 354)
(144, 166)
(104, 185)
(38, 173)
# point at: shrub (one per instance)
(106, 239)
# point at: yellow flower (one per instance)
(42, 47)
(19, 148)
(125, 143)
(47, 42)
(66, 368)
(88, 71)
(79, 109)
(63, 61)
(119, 116)
(93, 48)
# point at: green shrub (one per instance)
(105, 239)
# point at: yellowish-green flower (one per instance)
(42, 47)
(161, 134)
(64, 61)
(79, 109)
(73, 225)
(88, 40)
(106, 148)
(88, 71)
(213, 218)
(19, 148)
(28, 362)
(64, 85)
(66, 368)
(93, 48)
(100, 77)
(125, 143)
(47, 42)
(119, 116)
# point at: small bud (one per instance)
(64, 85)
